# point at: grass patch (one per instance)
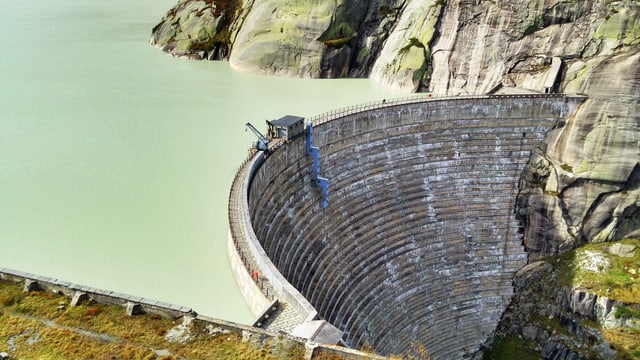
(627, 312)
(620, 280)
(40, 325)
(624, 341)
(28, 338)
(566, 268)
(613, 276)
(338, 42)
(511, 347)
(566, 167)
(112, 320)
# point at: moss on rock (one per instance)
(581, 302)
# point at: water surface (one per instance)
(116, 159)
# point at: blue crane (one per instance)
(262, 143)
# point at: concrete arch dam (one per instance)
(419, 242)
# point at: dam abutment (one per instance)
(419, 242)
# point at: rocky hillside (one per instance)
(582, 304)
(582, 187)
(443, 46)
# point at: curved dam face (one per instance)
(419, 242)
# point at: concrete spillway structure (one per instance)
(419, 242)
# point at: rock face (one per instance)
(568, 307)
(293, 38)
(405, 60)
(197, 29)
(444, 46)
(282, 37)
(584, 187)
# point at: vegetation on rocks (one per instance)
(512, 347)
(338, 42)
(594, 268)
(197, 29)
(585, 302)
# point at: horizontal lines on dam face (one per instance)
(419, 242)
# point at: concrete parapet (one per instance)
(266, 314)
(78, 293)
(419, 243)
(135, 305)
(283, 288)
(256, 299)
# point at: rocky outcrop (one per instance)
(293, 38)
(282, 37)
(584, 186)
(444, 46)
(563, 322)
(196, 29)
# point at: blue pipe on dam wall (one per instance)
(419, 243)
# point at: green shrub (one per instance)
(567, 168)
(625, 312)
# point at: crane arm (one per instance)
(255, 131)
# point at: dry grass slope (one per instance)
(41, 325)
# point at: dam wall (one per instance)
(246, 256)
(419, 243)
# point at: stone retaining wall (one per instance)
(129, 302)
(419, 243)
(42, 283)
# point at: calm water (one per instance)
(116, 159)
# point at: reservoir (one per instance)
(116, 159)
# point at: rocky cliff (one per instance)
(580, 305)
(582, 187)
(444, 46)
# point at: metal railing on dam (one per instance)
(419, 243)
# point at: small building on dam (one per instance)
(414, 241)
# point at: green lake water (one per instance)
(116, 159)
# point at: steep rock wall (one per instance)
(405, 60)
(281, 38)
(584, 186)
(444, 46)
